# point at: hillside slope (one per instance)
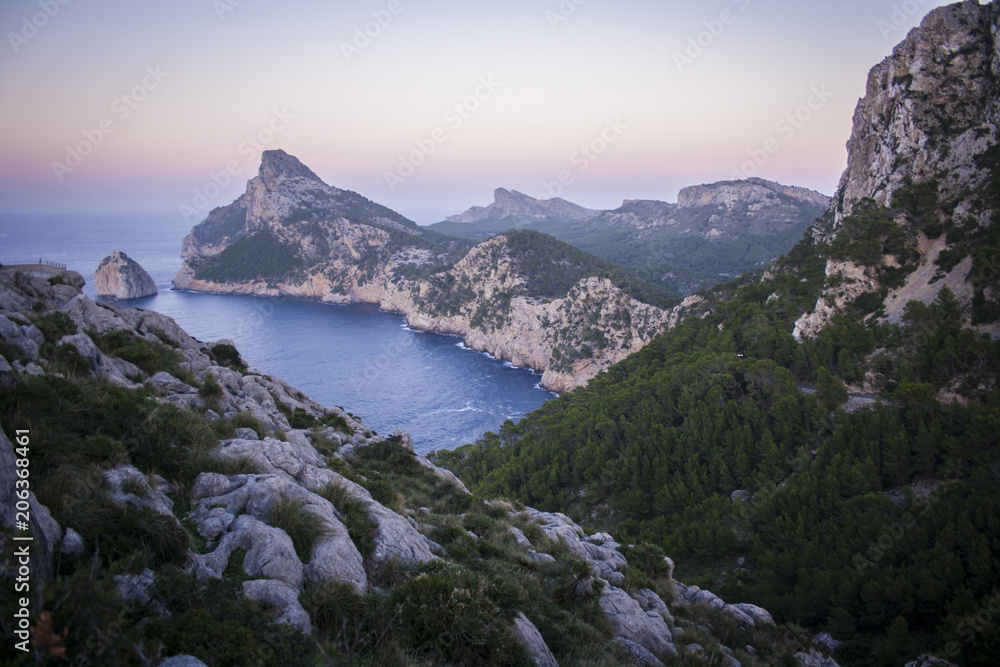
(523, 297)
(732, 440)
(184, 509)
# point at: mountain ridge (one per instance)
(713, 232)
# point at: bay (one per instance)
(357, 357)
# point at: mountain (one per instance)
(924, 149)
(520, 207)
(523, 297)
(164, 504)
(713, 231)
(820, 438)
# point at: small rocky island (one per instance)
(121, 276)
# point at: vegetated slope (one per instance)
(714, 232)
(184, 506)
(523, 297)
(875, 519)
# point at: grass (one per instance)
(55, 325)
(135, 486)
(301, 525)
(225, 429)
(360, 527)
(149, 357)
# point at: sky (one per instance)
(427, 106)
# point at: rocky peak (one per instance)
(278, 165)
(930, 109)
(514, 204)
(121, 277)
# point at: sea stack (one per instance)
(121, 277)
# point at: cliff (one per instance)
(522, 297)
(184, 505)
(923, 153)
(120, 276)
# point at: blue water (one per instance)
(356, 357)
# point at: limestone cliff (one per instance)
(923, 153)
(541, 304)
(121, 277)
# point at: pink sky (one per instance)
(439, 104)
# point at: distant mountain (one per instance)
(509, 204)
(524, 297)
(712, 232)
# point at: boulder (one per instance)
(45, 530)
(638, 656)
(235, 511)
(284, 599)
(814, 659)
(650, 601)
(929, 661)
(628, 620)
(121, 277)
(395, 538)
(528, 636)
(128, 486)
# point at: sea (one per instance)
(357, 357)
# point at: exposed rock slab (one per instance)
(120, 276)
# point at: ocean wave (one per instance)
(468, 408)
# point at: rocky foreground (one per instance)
(52, 331)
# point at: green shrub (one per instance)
(227, 355)
(337, 422)
(301, 525)
(55, 325)
(118, 533)
(302, 419)
(211, 620)
(210, 388)
(11, 352)
(460, 617)
(150, 357)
